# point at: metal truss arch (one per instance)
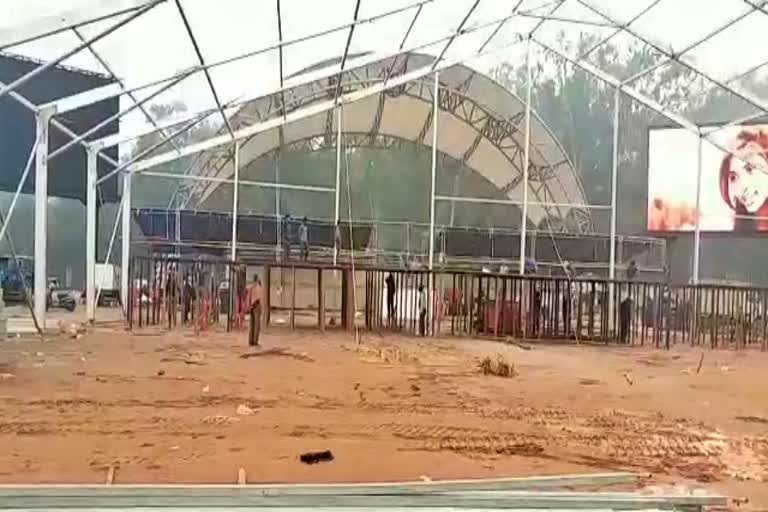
(485, 119)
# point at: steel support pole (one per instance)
(277, 206)
(108, 256)
(338, 184)
(90, 236)
(435, 93)
(431, 293)
(125, 261)
(614, 190)
(526, 156)
(41, 216)
(235, 204)
(697, 232)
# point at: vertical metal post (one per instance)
(177, 227)
(277, 209)
(434, 172)
(614, 190)
(697, 232)
(235, 204)
(338, 183)
(126, 243)
(431, 280)
(90, 236)
(41, 216)
(526, 157)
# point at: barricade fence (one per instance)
(173, 292)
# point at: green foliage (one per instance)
(579, 110)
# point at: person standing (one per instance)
(631, 270)
(189, 297)
(625, 319)
(304, 239)
(171, 297)
(254, 310)
(337, 239)
(391, 290)
(287, 236)
(422, 303)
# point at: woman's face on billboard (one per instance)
(748, 178)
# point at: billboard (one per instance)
(734, 183)
(66, 172)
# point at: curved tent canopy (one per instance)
(480, 124)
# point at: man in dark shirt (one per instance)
(304, 239)
(337, 239)
(625, 319)
(390, 282)
(171, 298)
(631, 270)
(254, 310)
(189, 297)
(287, 236)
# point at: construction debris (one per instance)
(315, 457)
(110, 475)
(244, 410)
(499, 368)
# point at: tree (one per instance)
(579, 110)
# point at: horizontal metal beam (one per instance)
(54, 23)
(644, 100)
(262, 184)
(52, 63)
(112, 140)
(357, 489)
(515, 202)
(740, 92)
(24, 102)
(85, 98)
(615, 82)
(292, 117)
(281, 44)
(90, 131)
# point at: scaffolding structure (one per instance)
(488, 28)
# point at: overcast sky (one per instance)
(156, 45)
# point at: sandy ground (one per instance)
(164, 408)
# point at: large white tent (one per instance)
(220, 56)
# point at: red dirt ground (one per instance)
(163, 408)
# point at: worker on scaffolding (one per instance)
(304, 239)
(254, 310)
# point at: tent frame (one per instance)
(133, 9)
